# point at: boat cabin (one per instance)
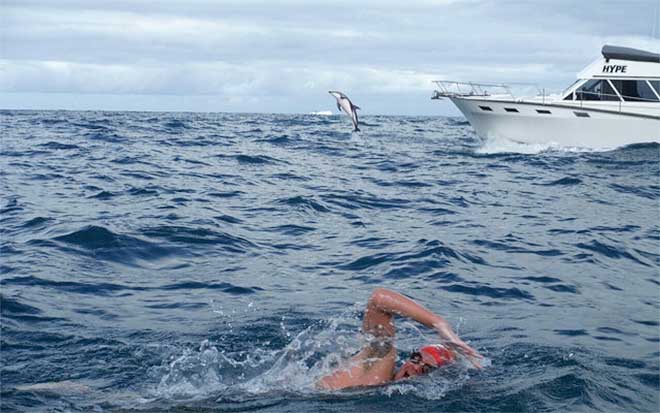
(622, 75)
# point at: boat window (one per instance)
(571, 87)
(582, 114)
(569, 97)
(543, 111)
(596, 90)
(486, 108)
(656, 85)
(635, 90)
(511, 109)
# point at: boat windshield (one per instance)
(596, 89)
(655, 84)
(571, 86)
(635, 90)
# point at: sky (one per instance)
(283, 56)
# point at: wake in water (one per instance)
(503, 145)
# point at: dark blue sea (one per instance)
(195, 262)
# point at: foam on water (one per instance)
(503, 145)
(292, 371)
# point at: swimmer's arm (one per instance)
(389, 302)
(373, 365)
(384, 303)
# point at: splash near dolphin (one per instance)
(345, 104)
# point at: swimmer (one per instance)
(376, 363)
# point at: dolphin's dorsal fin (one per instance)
(356, 107)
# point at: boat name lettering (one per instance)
(615, 68)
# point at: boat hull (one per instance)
(529, 122)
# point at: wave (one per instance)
(491, 292)
(95, 125)
(428, 255)
(108, 137)
(362, 200)
(107, 288)
(200, 236)
(567, 181)
(302, 202)
(513, 249)
(641, 146)
(611, 251)
(176, 124)
(650, 192)
(224, 286)
(292, 230)
(252, 159)
(103, 244)
(37, 222)
(87, 288)
(277, 140)
(11, 306)
(103, 195)
(94, 237)
(58, 146)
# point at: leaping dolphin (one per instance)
(345, 104)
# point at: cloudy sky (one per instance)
(284, 55)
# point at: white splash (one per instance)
(503, 145)
(321, 113)
(310, 355)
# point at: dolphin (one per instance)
(345, 104)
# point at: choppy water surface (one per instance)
(208, 262)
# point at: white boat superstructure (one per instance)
(614, 102)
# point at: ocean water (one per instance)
(221, 262)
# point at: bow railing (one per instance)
(451, 88)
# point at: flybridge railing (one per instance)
(452, 88)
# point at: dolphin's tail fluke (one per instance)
(356, 129)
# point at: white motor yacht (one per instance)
(614, 102)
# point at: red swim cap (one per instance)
(440, 354)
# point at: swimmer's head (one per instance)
(425, 360)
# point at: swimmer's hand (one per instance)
(453, 341)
